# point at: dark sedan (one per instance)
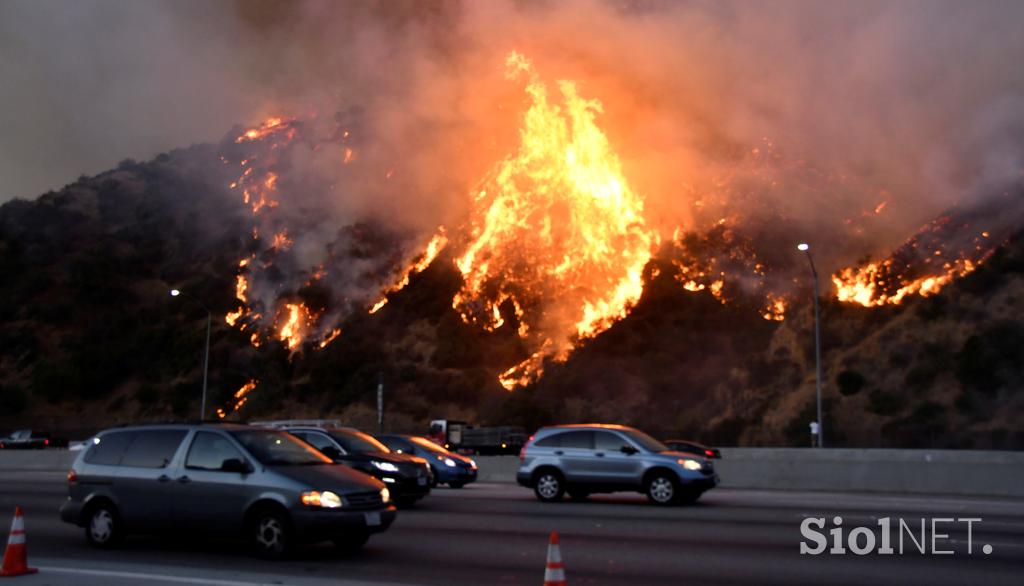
(408, 477)
(449, 468)
(688, 447)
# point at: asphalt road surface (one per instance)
(497, 534)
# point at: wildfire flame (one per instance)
(434, 248)
(556, 230)
(241, 396)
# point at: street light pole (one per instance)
(817, 341)
(206, 353)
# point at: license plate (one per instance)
(372, 519)
(422, 481)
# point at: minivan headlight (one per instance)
(385, 494)
(690, 464)
(325, 499)
(385, 466)
(449, 462)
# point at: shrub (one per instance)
(885, 403)
(850, 382)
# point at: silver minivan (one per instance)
(263, 484)
(591, 458)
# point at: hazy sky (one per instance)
(917, 102)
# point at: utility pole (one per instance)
(380, 402)
(817, 342)
(206, 353)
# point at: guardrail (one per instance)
(954, 472)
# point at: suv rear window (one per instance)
(153, 448)
(568, 439)
(109, 448)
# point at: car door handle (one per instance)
(559, 452)
(163, 478)
(184, 479)
(600, 454)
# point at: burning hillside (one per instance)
(554, 245)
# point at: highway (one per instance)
(497, 534)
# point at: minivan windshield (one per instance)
(644, 441)
(357, 442)
(277, 448)
(429, 445)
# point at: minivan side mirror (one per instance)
(628, 450)
(236, 465)
(331, 452)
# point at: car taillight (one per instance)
(522, 452)
(46, 442)
(709, 453)
(72, 477)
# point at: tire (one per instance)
(579, 495)
(456, 484)
(549, 486)
(103, 527)
(271, 534)
(351, 543)
(662, 489)
(433, 479)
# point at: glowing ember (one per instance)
(556, 231)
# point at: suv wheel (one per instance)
(103, 528)
(549, 486)
(662, 489)
(271, 534)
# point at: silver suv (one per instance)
(584, 459)
(261, 483)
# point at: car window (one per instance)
(583, 440)
(153, 448)
(209, 451)
(552, 441)
(429, 445)
(608, 441)
(277, 448)
(317, 440)
(357, 442)
(645, 441)
(108, 448)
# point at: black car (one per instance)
(689, 447)
(408, 477)
(449, 468)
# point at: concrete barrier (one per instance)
(954, 472)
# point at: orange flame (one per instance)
(555, 229)
(434, 247)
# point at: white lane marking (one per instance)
(202, 581)
(158, 577)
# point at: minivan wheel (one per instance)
(662, 489)
(549, 486)
(271, 534)
(103, 528)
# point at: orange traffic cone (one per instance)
(554, 575)
(15, 557)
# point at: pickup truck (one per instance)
(26, 439)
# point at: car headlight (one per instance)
(472, 464)
(325, 499)
(385, 494)
(690, 464)
(449, 462)
(385, 466)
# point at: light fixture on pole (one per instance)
(206, 354)
(806, 249)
